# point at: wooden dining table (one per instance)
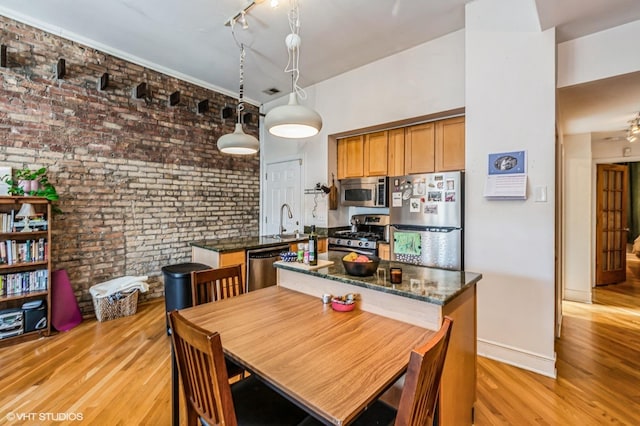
(332, 364)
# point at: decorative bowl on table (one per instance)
(342, 305)
(360, 265)
(289, 256)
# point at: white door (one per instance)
(283, 185)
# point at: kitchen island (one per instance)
(423, 298)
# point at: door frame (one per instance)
(594, 206)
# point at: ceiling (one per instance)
(189, 39)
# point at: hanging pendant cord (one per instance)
(241, 91)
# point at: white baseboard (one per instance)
(518, 358)
(577, 295)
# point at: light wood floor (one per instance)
(118, 372)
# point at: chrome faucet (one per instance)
(289, 214)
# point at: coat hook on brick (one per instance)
(103, 81)
(203, 106)
(61, 68)
(174, 98)
(3, 56)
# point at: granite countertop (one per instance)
(437, 286)
(244, 243)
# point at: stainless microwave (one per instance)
(364, 192)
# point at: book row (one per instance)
(24, 282)
(10, 224)
(13, 252)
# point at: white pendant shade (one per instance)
(293, 120)
(238, 142)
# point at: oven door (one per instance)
(345, 249)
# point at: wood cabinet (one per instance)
(322, 245)
(384, 251)
(395, 154)
(419, 149)
(450, 143)
(217, 259)
(376, 149)
(351, 157)
(437, 146)
(25, 269)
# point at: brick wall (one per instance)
(138, 180)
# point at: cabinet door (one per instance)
(450, 144)
(395, 157)
(351, 157)
(235, 258)
(384, 252)
(420, 149)
(375, 154)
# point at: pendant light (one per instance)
(239, 142)
(293, 120)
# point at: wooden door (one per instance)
(611, 224)
(375, 154)
(351, 157)
(450, 144)
(419, 155)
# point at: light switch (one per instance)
(540, 194)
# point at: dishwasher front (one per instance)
(260, 270)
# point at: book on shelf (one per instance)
(24, 282)
(15, 252)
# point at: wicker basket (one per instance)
(107, 308)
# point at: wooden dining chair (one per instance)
(209, 396)
(419, 396)
(210, 285)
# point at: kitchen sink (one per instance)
(289, 237)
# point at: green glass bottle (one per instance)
(313, 246)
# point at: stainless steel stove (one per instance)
(367, 230)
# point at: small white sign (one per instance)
(396, 199)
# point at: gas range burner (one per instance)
(363, 236)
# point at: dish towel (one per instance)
(119, 285)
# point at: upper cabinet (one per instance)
(436, 146)
(395, 160)
(351, 157)
(450, 144)
(376, 146)
(419, 149)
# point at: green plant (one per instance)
(45, 188)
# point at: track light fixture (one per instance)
(634, 128)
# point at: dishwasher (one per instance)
(260, 270)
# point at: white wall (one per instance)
(577, 206)
(510, 106)
(600, 55)
(425, 79)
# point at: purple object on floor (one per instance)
(65, 312)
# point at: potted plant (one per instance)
(33, 183)
(28, 179)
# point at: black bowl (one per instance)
(362, 269)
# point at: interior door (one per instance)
(611, 224)
(283, 185)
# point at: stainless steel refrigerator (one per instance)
(426, 214)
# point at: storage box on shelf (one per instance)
(25, 270)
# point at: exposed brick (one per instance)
(137, 181)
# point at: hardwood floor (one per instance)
(118, 372)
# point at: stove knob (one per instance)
(360, 244)
(348, 243)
